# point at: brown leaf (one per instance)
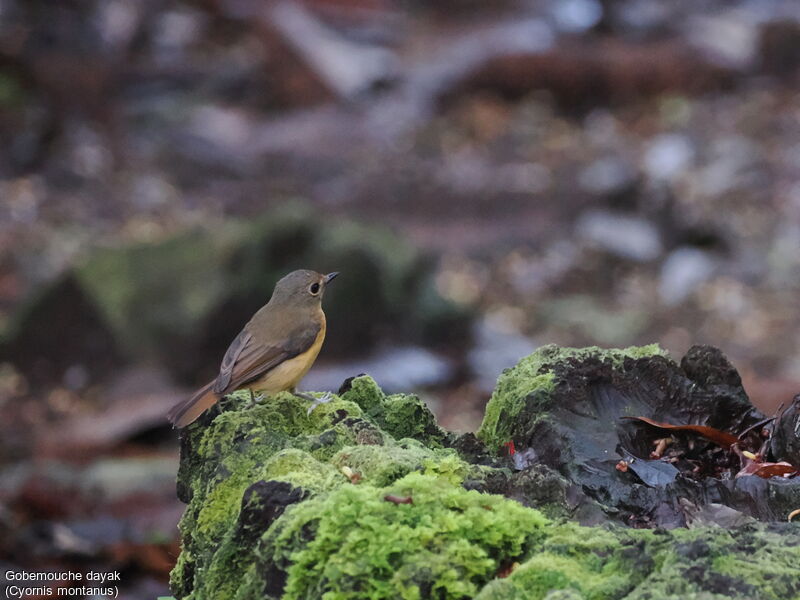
(768, 469)
(721, 438)
(399, 499)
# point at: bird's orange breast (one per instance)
(288, 374)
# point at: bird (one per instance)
(274, 350)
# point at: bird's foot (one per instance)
(315, 402)
(254, 399)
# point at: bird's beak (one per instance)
(331, 276)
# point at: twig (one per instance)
(755, 426)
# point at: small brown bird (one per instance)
(274, 350)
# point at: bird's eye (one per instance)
(314, 289)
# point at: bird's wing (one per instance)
(229, 361)
(248, 359)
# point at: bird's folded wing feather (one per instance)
(247, 359)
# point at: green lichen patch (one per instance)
(354, 543)
(530, 384)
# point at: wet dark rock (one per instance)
(785, 441)
(569, 406)
(262, 503)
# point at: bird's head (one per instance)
(302, 288)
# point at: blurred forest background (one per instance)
(487, 176)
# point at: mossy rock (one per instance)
(530, 385)
(367, 497)
(572, 412)
(179, 301)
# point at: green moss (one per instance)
(179, 579)
(400, 415)
(750, 561)
(532, 381)
(617, 563)
(365, 392)
(293, 466)
(406, 416)
(283, 412)
(222, 578)
(545, 489)
(275, 439)
(446, 544)
(448, 466)
(382, 465)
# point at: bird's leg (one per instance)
(254, 399)
(324, 399)
(315, 402)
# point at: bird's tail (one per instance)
(187, 411)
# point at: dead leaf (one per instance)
(768, 469)
(399, 499)
(721, 438)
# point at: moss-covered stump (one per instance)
(367, 497)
